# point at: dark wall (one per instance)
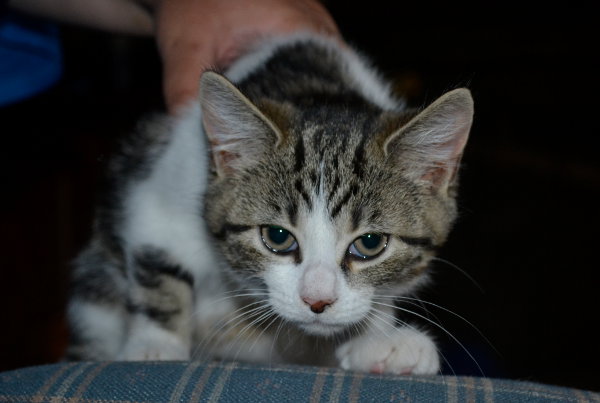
(530, 183)
(531, 177)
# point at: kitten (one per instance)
(275, 220)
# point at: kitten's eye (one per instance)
(368, 246)
(278, 239)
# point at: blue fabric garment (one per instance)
(30, 57)
(234, 382)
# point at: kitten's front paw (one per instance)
(405, 352)
(152, 348)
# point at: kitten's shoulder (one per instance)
(316, 52)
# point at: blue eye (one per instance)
(278, 239)
(368, 246)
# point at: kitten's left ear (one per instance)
(239, 133)
(431, 144)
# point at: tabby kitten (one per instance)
(275, 220)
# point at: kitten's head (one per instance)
(327, 205)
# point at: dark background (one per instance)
(527, 234)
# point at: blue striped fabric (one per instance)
(232, 382)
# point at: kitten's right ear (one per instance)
(431, 144)
(238, 132)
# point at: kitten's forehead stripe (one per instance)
(425, 243)
(334, 188)
(229, 228)
(333, 147)
(274, 206)
(292, 212)
(345, 199)
(315, 181)
(300, 189)
(375, 215)
(299, 155)
(357, 216)
(343, 148)
(359, 159)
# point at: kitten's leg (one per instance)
(384, 348)
(96, 330)
(96, 310)
(160, 305)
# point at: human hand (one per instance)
(195, 35)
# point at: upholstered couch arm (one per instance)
(197, 381)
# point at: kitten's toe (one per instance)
(154, 353)
(154, 347)
(415, 355)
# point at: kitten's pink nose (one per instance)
(318, 306)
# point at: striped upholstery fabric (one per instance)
(232, 382)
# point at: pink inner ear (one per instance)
(442, 174)
(223, 160)
(435, 175)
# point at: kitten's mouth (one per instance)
(319, 328)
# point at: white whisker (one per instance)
(248, 294)
(438, 326)
(464, 273)
(275, 337)
(421, 301)
(253, 327)
(397, 321)
(223, 323)
(236, 295)
(272, 315)
(236, 333)
(373, 314)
